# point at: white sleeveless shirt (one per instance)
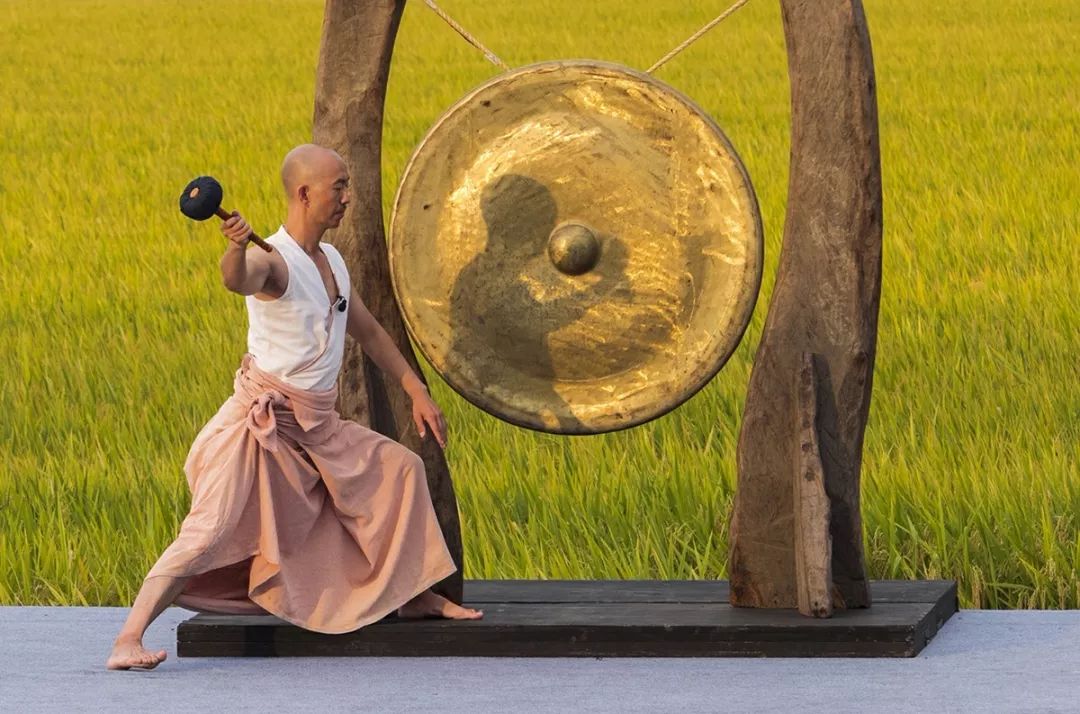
(300, 336)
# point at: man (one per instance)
(295, 511)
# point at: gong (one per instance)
(575, 247)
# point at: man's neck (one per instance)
(305, 235)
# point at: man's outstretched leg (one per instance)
(154, 596)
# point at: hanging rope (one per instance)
(663, 60)
(469, 38)
(694, 38)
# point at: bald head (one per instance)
(308, 164)
(316, 181)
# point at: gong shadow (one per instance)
(491, 300)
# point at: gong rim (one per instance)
(703, 372)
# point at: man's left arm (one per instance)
(378, 345)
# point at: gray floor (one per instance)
(52, 659)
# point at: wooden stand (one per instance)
(602, 618)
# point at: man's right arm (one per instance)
(239, 273)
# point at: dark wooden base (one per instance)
(602, 618)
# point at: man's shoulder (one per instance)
(277, 236)
(280, 241)
(278, 279)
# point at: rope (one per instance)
(663, 60)
(469, 38)
(694, 38)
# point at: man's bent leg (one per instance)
(154, 596)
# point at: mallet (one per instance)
(202, 199)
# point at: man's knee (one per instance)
(411, 466)
(408, 462)
(412, 463)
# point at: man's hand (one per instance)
(236, 229)
(424, 409)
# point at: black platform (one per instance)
(602, 618)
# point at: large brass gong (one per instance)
(575, 247)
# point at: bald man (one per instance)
(296, 512)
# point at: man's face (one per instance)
(329, 195)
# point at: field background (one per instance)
(119, 341)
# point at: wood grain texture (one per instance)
(813, 545)
(350, 92)
(825, 301)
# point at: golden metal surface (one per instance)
(576, 248)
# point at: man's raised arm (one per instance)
(238, 273)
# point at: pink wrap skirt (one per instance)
(304, 515)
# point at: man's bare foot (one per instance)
(429, 604)
(131, 653)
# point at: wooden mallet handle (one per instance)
(254, 237)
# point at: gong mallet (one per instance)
(202, 199)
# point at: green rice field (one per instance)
(119, 341)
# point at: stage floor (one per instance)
(602, 618)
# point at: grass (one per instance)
(120, 342)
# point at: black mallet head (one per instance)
(201, 199)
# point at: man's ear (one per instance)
(302, 192)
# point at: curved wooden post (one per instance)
(825, 303)
(350, 90)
